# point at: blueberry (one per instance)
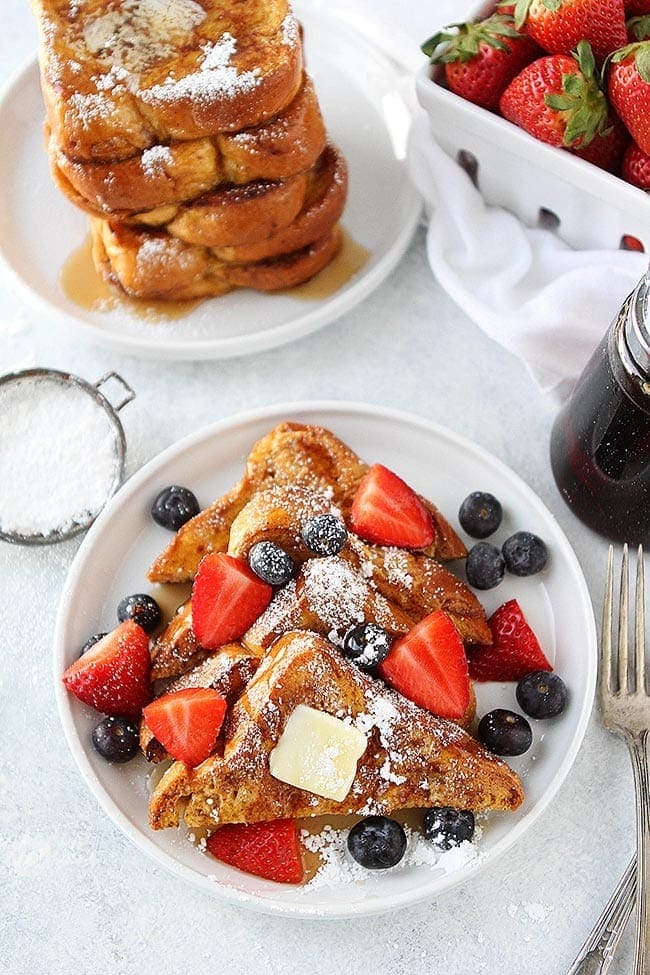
(505, 733)
(485, 566)
(116, 739)
(525, 554)
(142, 609)
(542, 695)
(480, 514)
(271, 563)
(174, 506)
(367, 645)
(377, 842)
(445, 826)
(325, 535)
(95, 638)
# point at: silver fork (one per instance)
(625, 710)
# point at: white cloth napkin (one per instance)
(528, 290)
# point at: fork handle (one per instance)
(596, 954)
(639, 745)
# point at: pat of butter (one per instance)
(318, 752)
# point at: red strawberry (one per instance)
(514, 652)
(268, 850)
(227, 598)
(629, 90)
(558, 100)
(637, 8)
(559, 25)
(387, 511)
(113, 676)
(429, 667)
(630, 243)
(636, 167)
(482, 59)
(187, 722)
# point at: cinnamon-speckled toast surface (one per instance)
(412, 759)
(293, 454)
(121, 77)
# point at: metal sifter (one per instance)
(57, 431)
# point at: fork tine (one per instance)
(623, 624)
(639, 625)
(606, 639)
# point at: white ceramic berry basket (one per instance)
(538, 183)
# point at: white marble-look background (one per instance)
(75, 897)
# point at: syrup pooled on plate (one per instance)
(85, 287)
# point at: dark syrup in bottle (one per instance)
(600, 445)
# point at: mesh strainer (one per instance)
(31, 383)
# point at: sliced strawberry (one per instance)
(187, 722)
(268, 850)
(227, 598)
(113, 676)
(429, 667)
(387, 511)
(514, 652)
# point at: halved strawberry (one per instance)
(187, 722)
(514, 652)
(270, 850)
(429, 667)
(387, 511)
(227, 598)
(113, 676)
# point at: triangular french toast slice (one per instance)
(293, 454)
(414, 582)
(411, 760)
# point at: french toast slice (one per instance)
(123, 76)
(240, 214)
(227, 671)
(171, 174)
(412, 759)
(151, 264)
(292, 454)
(414, 582)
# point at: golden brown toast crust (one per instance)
(168, 175)
(413, 759)
(151, 264)
(118, 79)
(292, 454)
(240, 214)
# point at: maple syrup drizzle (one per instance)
(83, 285)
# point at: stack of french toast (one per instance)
(192, 136)
(416, 752)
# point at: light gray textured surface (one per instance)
(74, 895)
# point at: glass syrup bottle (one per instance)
(600, 445)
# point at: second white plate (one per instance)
(113, 561)
(358, 88)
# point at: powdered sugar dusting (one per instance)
(339, 869)
(155, 160)
(216, 77)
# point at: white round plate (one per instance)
(358, 88)
(113, 560)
